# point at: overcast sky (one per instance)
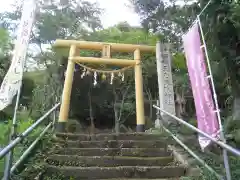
(115, 11)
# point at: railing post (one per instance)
(54, 120)
(54, 116)
(66, 96)
(139, 93)
(157, 121)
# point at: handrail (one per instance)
(220, 143)
(13, 143)
(30, 148)
(192, 153)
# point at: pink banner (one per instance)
(206, 116)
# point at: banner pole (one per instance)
(225, 155)
(205, 7)
(202, 11)
(16, 70)
(12, 136)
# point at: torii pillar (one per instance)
(139, 93)
(67, 89)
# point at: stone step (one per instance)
(107, 161)
(140, 179)
(99, 137)
(141, 152)
(120, 172)
(112, 144)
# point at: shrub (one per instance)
(22, 126)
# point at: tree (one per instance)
(64, 19)
(120, 105)
(221, 26)
(5, 48)
(168, 19)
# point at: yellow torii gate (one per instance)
(106, 48)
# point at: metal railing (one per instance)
(220, 143)
(10, 147)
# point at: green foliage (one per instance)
(28, 86)
(220, 25)
(37, 76)
(127, 35)
(4, 42)
(166, 21)
(4, 51)
(54, 20)
(23, 124)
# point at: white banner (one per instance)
(13, 79)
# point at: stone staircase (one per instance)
(110, 156)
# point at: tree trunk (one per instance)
(180, 104)
(117, 121)
(150, 104)
(236, 108)
(118, 109)
(92, 125)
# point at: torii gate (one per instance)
(107, 49)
